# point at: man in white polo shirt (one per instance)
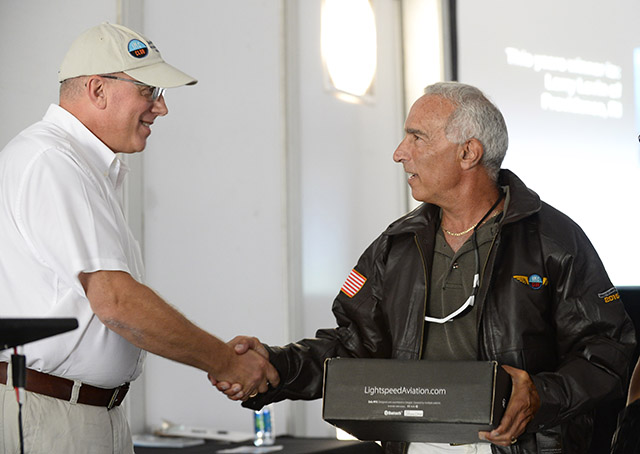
(67, 252)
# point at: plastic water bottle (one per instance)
(263, 426)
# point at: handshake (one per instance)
(249, 371)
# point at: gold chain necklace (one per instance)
(464, 232)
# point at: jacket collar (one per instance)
(523, 203)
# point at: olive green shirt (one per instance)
(451, 284)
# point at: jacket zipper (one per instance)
(493, 243)
(424, 306)
(481, 343)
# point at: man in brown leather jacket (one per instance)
(543, 306)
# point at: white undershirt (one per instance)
(60, 215)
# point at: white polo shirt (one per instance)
(60, 215)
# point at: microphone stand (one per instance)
(15, 332)
(19, 377)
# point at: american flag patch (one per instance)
(353, 284)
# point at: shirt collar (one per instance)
(100, 156)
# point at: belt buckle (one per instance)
(119, 391)
(114, 398)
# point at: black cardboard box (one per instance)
(404, 400)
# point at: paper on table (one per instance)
(154, 441)
(251, 449)
(179, 430)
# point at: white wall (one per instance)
(258, 191)
(35, 37)
(350, 187)
(240, 155)
(214, 187)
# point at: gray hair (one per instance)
(474, 117)
(71, 89)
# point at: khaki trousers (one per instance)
(53, 426)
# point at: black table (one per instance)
(291, 445)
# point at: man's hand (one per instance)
(523, 405)
(246, 346)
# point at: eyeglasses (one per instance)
(149, 92)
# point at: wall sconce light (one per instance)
(348, 42)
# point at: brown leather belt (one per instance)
(61, 388)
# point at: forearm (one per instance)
(139, 315)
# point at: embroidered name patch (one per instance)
(353, 284)
(610, 295)
(535, 281)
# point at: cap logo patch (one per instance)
(137, 48)
(535, 281)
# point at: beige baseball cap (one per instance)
(110, 48)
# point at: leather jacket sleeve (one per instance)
(594, 337)
(360, 332)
